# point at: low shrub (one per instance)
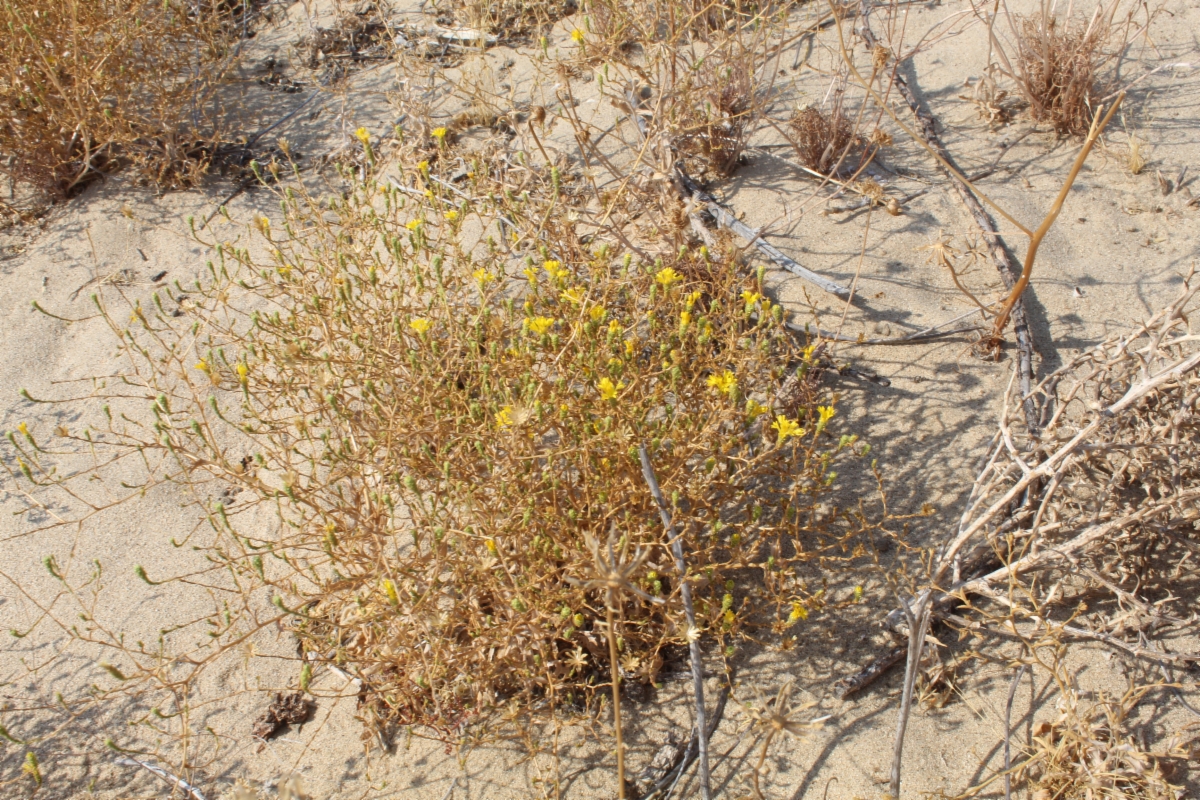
(87, 87)
(443, 408)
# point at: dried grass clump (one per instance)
(359, 34)
(1087, 753)
(823, 140)
(512, 20)
(442, 433)
(714, 109)
(88, 87)
(1061, 65)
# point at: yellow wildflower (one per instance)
(614, 327)
(451, 216)
(725, 383)
(531, 274)
(420, 325)
(691, 300)
(203, 366)
(668, 277)
(539, 325)
(826, 413)
(750, 298)
(439, 133)
(629, 345)
(555, 269)
(491, 546)
(264, 225)
(754, 409)
(243, 371)
(483, 277)
(423, 166)
(413, 224)
(799, 612)
(363, 135)
(614, 362)
(786, 428)
(597, 313)
(23, 428)
(685, 318)
(389, 589)
(504, 417)
(608, 390)
(808, 352)
(574, 295)
(577, 35)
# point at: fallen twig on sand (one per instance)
(727, 220)
(1111, 471)
(1008, 270)
(664, 787)
(162, 773)
(870, 673)
(693, 633)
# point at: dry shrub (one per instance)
(1095, 519)
(510, 19)
(715, 106)
(87, 87)
(823, 140)
(1061, 65)
(1087, 752)
(441, 433)
(358, 34)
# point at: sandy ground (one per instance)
(1115, 256)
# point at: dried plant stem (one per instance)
(762, 757)
(918, 624)
(970, 197)
(1035, 240)
(1012, 693)
(727, 220)
(615, 665)
(870, 673)
(685, 592)
(162, 773)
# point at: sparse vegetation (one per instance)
(87, 87)
(415, 402)
(1063, 66)
(823, 140)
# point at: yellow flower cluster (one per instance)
(825, 414)
(667, 277)
(725, 383)
(539, 325)
(504, 417)
(555, 269)
(608, 390)
(786, 428)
